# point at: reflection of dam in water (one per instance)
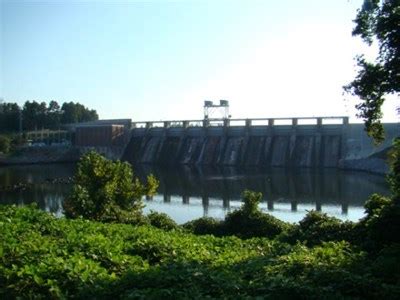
(187, 192)
(281, 188)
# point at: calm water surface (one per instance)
(186, 193)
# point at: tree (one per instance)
(5, 144)
(9, 117)
(76, 112)
(107, 191)
(53, 119)
(377, 20)
(31, 115)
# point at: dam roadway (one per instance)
(269, 142)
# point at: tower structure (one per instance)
(216, 111)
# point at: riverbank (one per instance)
(41, 155)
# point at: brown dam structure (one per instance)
(280, 142)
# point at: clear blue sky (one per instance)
(153, 60)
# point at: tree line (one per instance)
(39, 115)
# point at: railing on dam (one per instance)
(243, 122)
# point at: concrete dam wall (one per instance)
(285, 145)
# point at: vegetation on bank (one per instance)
(33, 116)
(45, 257)
(10, 142)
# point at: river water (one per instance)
(187, 193)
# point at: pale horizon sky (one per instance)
(159, 60)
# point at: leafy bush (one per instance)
(387, 264)
(394, 176)
(106, 191)
(374, 205)
(5, 144)
(246, 222)
(381, 226)
(205, 225)
(249, 221)
(316, 228)
(161, 220)
(45, 257)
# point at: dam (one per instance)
(268, 142)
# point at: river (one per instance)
(186, 193)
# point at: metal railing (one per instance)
(298, 121)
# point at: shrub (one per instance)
(205, 225)
(394, 176)
(106, 191)
(381, 225)
(161, 220)
(249, 221)
(5, 144)
(387, 264)
(374, 205)
(317, 227)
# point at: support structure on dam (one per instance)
(270, 142)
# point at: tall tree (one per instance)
(377, 21)
(9, 116)
(53, 119)
(31, 115)
(76, 112)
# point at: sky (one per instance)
(159, 60)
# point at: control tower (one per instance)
(216, 111)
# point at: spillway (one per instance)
(269, 145)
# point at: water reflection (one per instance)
(49, 196)
(287, 193)
(187, 192)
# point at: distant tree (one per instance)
(9, 117)
(37, 115)
(107, 191)
(76, 112)
(377, 20)
(31, 112)
(53, 119)
(42, 115)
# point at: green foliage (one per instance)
(161, 220)
(377, 21)
(316, 228)
(374, 205)
(249, 221)
(387, 264)
(76, 112)
(381, 226)
(106, 191)
(45, 257)
(205, 225)
(246, 222)
(394, 176)
(5, 144)
(9, 117)
(37, 115)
